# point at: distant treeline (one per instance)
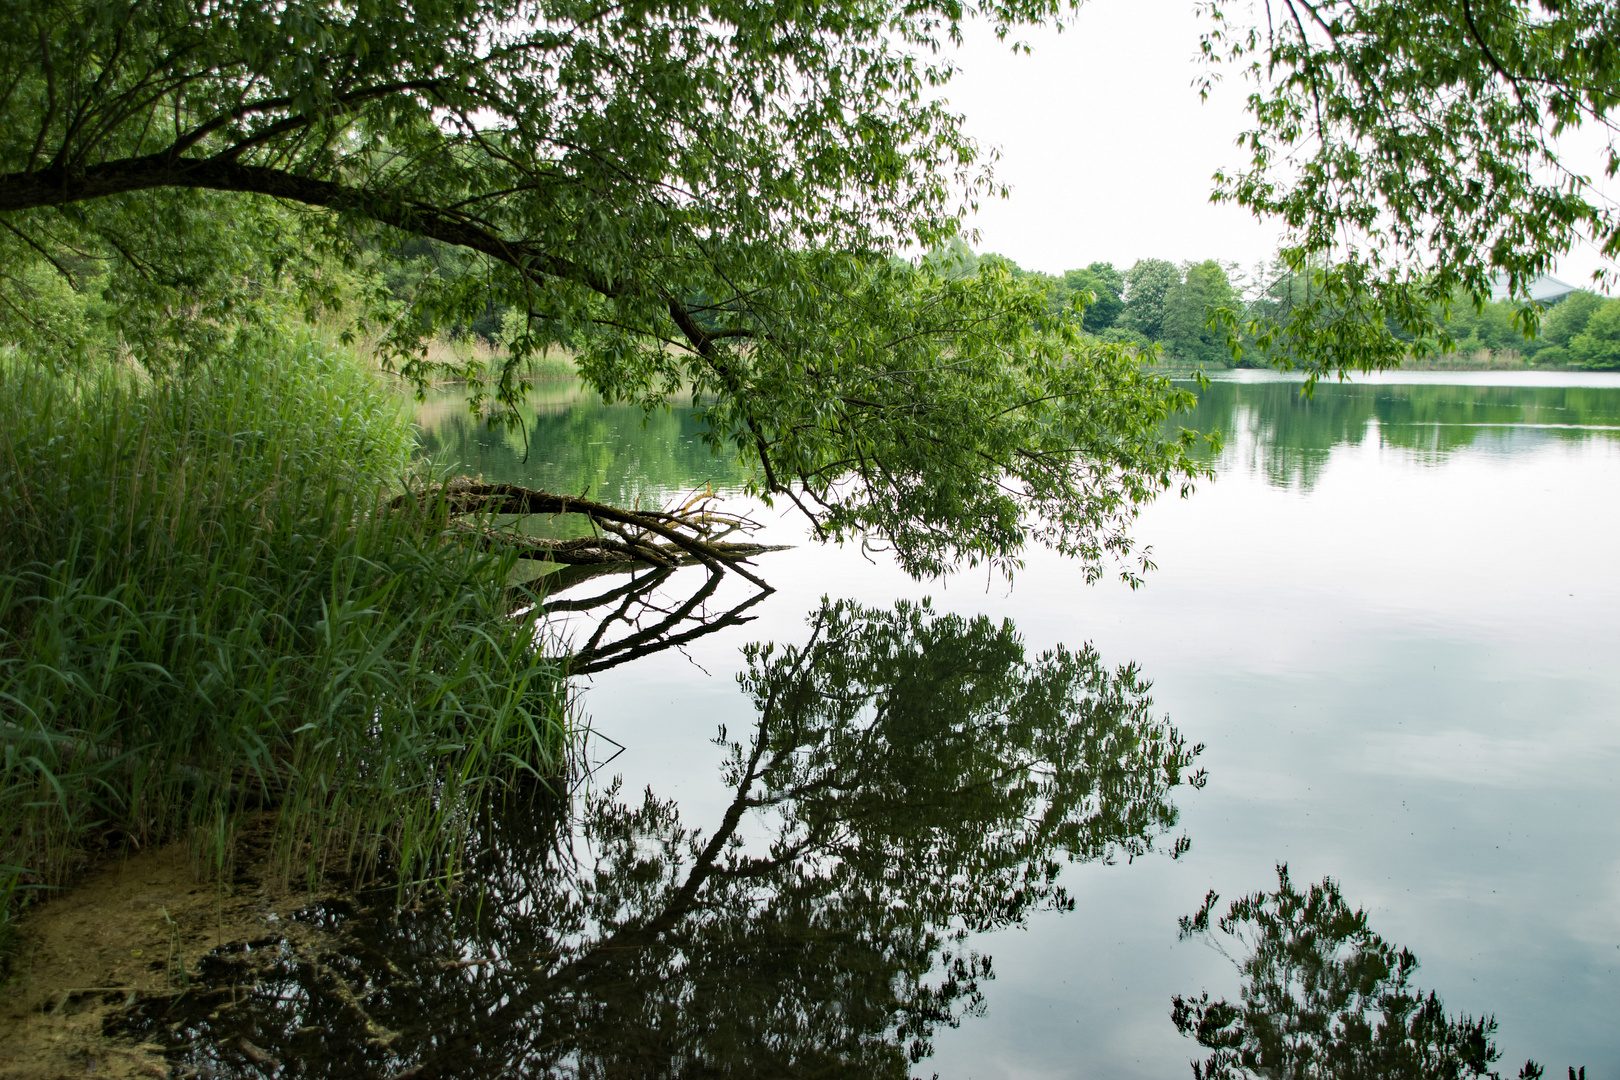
(1580, 330)
(1156, 302)
(1153, 303)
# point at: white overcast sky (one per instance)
(1108, 149)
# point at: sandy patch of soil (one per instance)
(132, 930)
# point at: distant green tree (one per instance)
(1566, 320)
(1496, 328)
(1186, 332)
(1147, 290)
(1059, 297)
(954, 261)
(1273, 289)
(1054, 291)
(1490, 326)
(1107, 285)
(1598, 345)
(1569, 317)
(1118, 335)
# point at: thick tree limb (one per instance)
(61, 186)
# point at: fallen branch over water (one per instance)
(691, 531)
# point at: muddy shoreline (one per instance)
(131, 932)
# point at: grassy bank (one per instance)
(205, 609)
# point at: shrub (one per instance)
(1568, 317)
(1598, 344)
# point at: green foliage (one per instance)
(1118, 335)
(954, 261)
(1104, 284)
(706, 199)
(1598, 343)
(1408, 146)
(1325, 998)
(169, 278)
(921, 430)
(1107, 287)
(1186, 328)
(1155, 303)
(204, 610)
(1148, 287)
(1199, 312)
(1498, 325)
(41, 313)
(1569, 317)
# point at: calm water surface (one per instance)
(1392, 622)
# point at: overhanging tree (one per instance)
(696, 197)
(1411, 149)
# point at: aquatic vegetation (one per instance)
(205, 610)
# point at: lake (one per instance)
(1391, 623)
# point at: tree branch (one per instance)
(684, 530)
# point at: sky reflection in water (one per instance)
(1392, 620)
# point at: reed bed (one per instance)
(205, 611)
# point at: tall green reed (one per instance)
(207, 608)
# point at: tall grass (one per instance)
(206, 609)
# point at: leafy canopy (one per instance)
(1409, 146)
(700, 197)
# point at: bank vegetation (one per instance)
(208, 609)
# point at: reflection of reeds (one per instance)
(202, 611)
(450, 353)
(571, 442)
(446, 355)
(548, 398)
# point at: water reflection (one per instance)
(633, 619)
(1353, 710)
(1273, 429)
(1325, 996)
(576, 445)
(910, 778)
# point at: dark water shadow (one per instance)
(910, 778)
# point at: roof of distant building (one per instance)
(1543, 289)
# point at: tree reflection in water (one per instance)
(1325, 998)
(632, 622)
(911, 778)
